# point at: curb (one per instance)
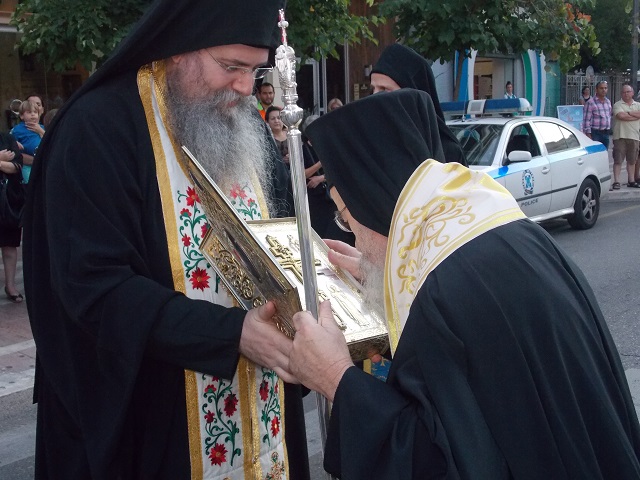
(623, 195)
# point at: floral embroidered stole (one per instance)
(236, 426)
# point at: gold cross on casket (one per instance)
(285, 257)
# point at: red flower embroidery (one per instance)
(237, 191)
(209, 416)
(264, 390)
(205, 229)
(218, 454)
(192, 196)
(200, 279)
(186, 240)
(209, 389)
(251, 202)
(186, 212)
(275, 388)
(230, 404)
(275, 426)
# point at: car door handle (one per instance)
(545, 170)
(580, 161)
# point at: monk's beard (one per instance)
(372, 286)
(222, 133)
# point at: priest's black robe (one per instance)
(505, 369)
(112, 334)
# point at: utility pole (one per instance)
(634, 47)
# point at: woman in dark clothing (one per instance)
(586, 96)
(11, 168)
(279, 132)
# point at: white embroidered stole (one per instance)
(236, 426)
(442, 207)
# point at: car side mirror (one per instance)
(518, 156)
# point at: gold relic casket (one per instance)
(260, 261)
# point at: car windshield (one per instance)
(479, 142)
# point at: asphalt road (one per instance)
(609, 256)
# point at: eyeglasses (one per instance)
(341, 222)
(257, 73)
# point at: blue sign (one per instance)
(572, 114)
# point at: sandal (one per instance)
(616, 186)
(17, 298)
(633, 185)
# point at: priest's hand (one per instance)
(345, 256)
(262, 342)
(319, 356)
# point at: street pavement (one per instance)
(17, 365)
(17, 348)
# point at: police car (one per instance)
(551, 168)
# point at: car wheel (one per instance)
(587, 206)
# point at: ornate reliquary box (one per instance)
(260, 261)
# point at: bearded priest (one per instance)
(145, 368)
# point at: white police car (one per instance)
(552, 169)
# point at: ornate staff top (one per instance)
(286, 66)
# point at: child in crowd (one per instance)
(28, 133)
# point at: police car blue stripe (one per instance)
(499, 173)
(554, 157)
(598, 147)
(509, 170)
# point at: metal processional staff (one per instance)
(291, 116)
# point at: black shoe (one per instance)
(17, 298)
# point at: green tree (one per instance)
(318, 26)
(611, 20)
(66, 32)
(438, 29)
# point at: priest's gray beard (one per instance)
(221, 131)
(372, 285)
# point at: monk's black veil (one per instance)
(409, 69)
(373, 146)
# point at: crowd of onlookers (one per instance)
(621, 121)
(322, 210)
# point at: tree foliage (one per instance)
(437, 29)
(611, 20)
(67, 32)
(318, 26)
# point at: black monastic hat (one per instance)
(370, 148)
